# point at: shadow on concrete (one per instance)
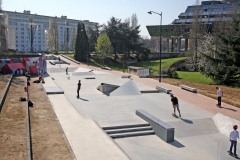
(83, 99)
(177, 144)
(188, 121)
(229, 109)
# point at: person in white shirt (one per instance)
(219, 96)
(234, 135)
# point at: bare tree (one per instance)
(195, 34)
(53, 35)
(134, 21)
(3, 41)
(73, 39)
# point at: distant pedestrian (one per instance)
(78, 88)
(67, 71)
(175, 104)
(234, 135)
(219, 96)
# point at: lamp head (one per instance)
(150, 12)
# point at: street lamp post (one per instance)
(160, 43)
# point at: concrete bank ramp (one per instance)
(197, 127)
(83, 74)
(225, 123)
(128, 88)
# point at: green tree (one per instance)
(103, 47)
(222, 61)
(53, 35)
(124, 38)
(92, 38)
(82, 45)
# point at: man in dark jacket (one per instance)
(175, 104)
(78, 88)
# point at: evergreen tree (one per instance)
(103, 47)
(124, 38)
(82, 45)
(222, 61)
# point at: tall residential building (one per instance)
(28, 32)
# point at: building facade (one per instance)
(204, 18)
(28, 32)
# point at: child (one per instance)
(234, 135)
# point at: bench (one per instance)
(187, 88)
(161, 129)
(126, 76)
(107, 68)
(161, 89)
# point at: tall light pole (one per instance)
(160, 44)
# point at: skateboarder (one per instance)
(78, 88)
(67, 71)
(234, 135)
(175, 104)
(219, 96)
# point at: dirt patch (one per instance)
(13, 124)
(48, 140)
(230, 94)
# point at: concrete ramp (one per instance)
(106, 88)
(54, 90)
(83, 74)
(195, 127)
(128, 88)
(225, 123)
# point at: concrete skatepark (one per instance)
(199, 133)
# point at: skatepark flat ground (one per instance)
(201, 132)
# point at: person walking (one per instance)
(175, 104)
(219, 96)
(234, 135)
(78, 88)
(67, 71)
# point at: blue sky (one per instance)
(102, 10)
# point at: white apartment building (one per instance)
(22, 26)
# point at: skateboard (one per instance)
(174, 115)
(233, 155)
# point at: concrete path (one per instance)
(85, 137)
(199, 134)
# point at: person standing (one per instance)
(78, 88)
(234, 135)
(67, 71)
(175, 104)
(219, 96)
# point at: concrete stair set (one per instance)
(129, 131)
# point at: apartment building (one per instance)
(28, 32)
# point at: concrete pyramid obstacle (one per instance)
(128, 88)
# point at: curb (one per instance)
(28, 128)
(70, 59)
(2, 100)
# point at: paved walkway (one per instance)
(85, 137)
(198, 136)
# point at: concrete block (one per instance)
(161, 129)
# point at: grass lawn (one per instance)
(154, 65)
(195, 77)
